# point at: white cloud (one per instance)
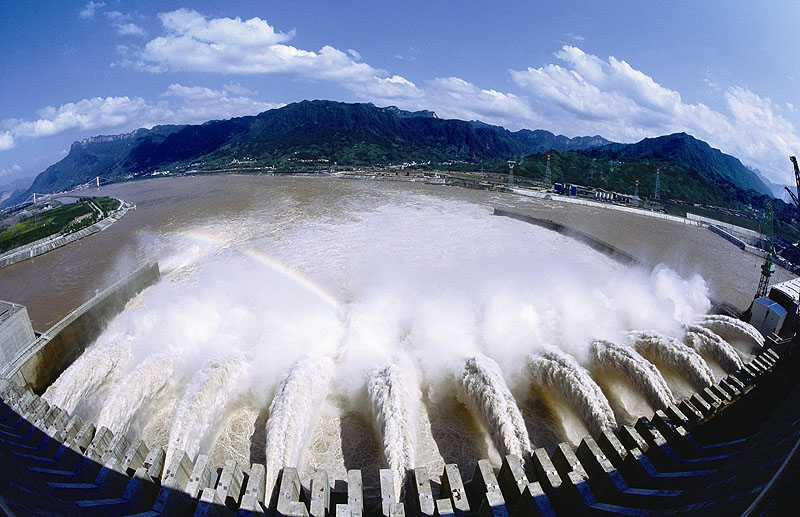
(453, 97)
(121, 21)
(177, 105)
(89, 10)
(589, 95)
(129, 29)
(6, 141)
(195, 43)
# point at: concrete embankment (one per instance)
(41, 246)
(596, 244)
(53, 351)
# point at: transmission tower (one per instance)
(548, 176)
(511, 164)
(636, 188)
(655, 191)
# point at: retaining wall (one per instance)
(52, 352)
(50, 243)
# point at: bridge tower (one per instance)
(511, 164)
(655, 191)
(548, 175)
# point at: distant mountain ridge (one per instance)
(350, 134)
(693, 153)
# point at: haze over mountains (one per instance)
(351, 134)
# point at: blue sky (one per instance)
(726, 72)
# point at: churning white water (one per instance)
(734, 331)
(394, 404)
(707, 342)
(639, 372)
(373, 303)
(557, 371)
(670, 352)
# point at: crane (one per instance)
(768, 267)
(796, 182)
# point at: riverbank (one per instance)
(52, 242)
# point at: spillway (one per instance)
(488, 396)
(671, 352)
(205, 398)
(138, 389)
(293, 410)
(94, 371)
(556, 370)
(705, 341)
(281, 326)
(639, 372)
(394, 405)
(732, 330)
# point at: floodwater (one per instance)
(54, 283)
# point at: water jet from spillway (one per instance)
(394, 404)
(205, 398)
(669, 351)
(293, 410)
(137, 389)
(733, 330)
(558, 371)
(639, 371)
(708, 342)
(488, 396)
(97, 368)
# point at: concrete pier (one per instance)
(680, 460)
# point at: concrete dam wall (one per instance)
(51, 353)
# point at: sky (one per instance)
(726, 72)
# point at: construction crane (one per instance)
(768, 267)
(796, 182)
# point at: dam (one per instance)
(341, 348)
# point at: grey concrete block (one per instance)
(134, 457)
(343, 510)
(493, 505)
(704, 407)
(230, 482)
(453, 488)
(688, 409)
(565, 460)
(116, 449)
(177, 474)
(154, 462)
(253, 497)
(423, 495)
(388, 495)
(99, 444)
(612, 447)
(355, 493)
(512, 479)
(546, 473)
(533, 503)
(289, 504)
(320, 504)
(202, 476)
(444, 508)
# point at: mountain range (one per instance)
(323, 132)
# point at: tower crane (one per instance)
(796, 182)
(768, 267)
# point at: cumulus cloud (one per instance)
(454, 97)
(6, 140)
(193, 42)
(590, 95)
(177, 105)
(88, 11)
(122, 22)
